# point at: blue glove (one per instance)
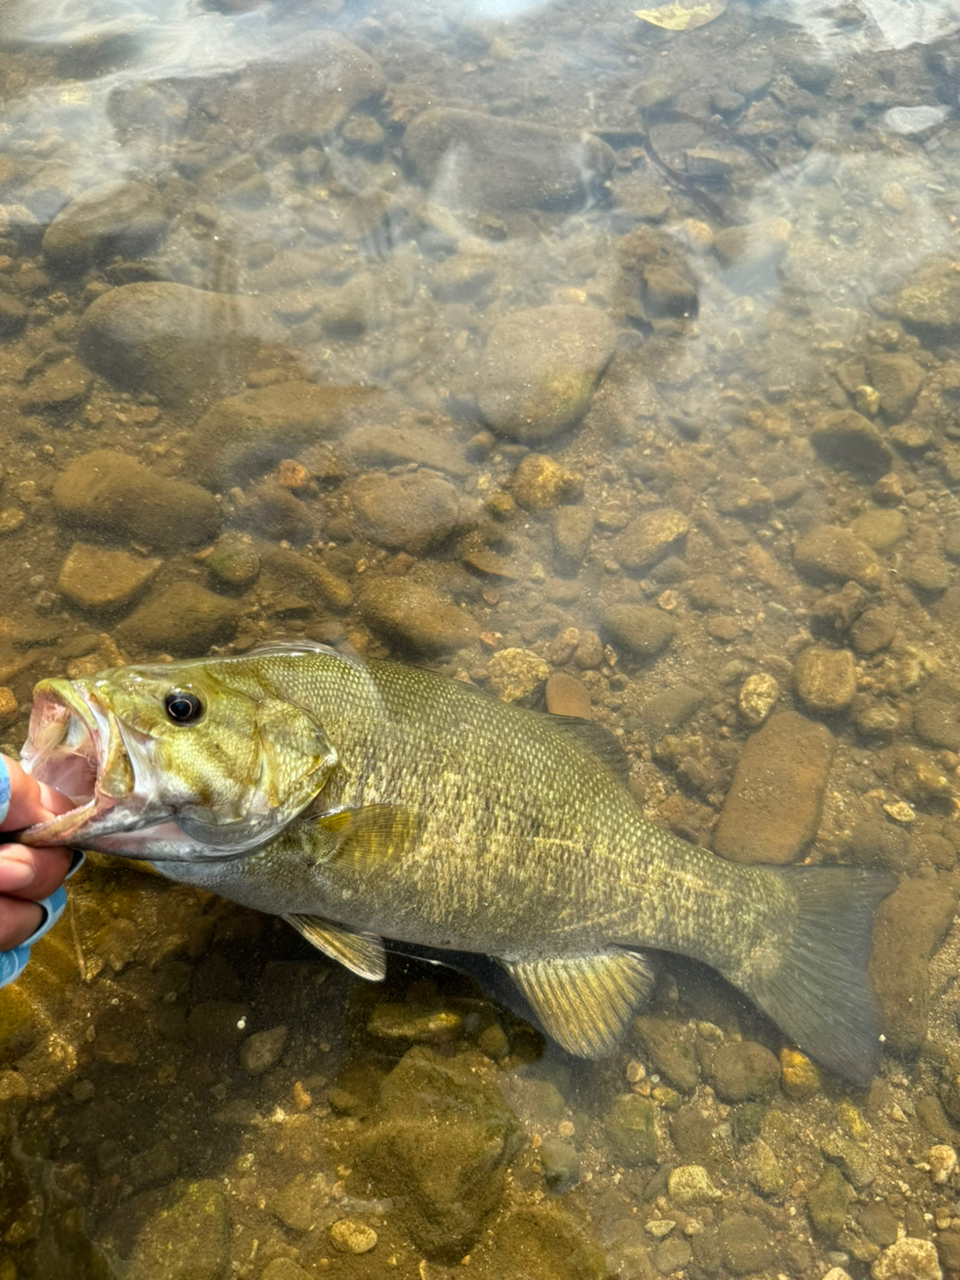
(13, 962)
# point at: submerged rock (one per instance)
(185, 620)
(103, 580)
(472, 160)
(108, 492)
(243, 436)
(539, 369)
(168, 339)
(120, 217)
(441, 1149)
(411, 512)
(414, 617)
(772, 810)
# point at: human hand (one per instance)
(27, 875)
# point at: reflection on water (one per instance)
(530, 342)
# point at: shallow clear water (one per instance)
(444, 332)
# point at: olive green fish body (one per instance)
(441, 817)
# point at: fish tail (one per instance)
(821, 994)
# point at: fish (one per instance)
(369, 801)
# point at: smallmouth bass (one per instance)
(370, 800)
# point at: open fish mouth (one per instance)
(75, 746)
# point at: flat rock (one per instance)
(245, 435)
(648, 538)
(63, 385)
(170, 340)
(897, 379)
(848, 439)
(411, 512)
(930, 297)
(911, 924)
(185, 620)
(825, 679)
(183, 1236)
(440, 1149)
(413, 617)
(830, 554)
(471, 160)
(103, 580)
(107, 492)
(373, 445)
(119, 217)
(303, 94)
(642, 630)
(539, 369)
(772, 810)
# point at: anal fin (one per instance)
(361, 953)
(585, 1002)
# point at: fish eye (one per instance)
(182, 706)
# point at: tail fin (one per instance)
(822, 995)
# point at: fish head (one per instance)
(174, 762)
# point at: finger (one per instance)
(18, 920)
(30, 801)
(32, 873)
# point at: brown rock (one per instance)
(773, 807)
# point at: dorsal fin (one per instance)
(606, 746)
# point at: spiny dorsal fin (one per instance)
(585, 1002)
(361, 953)
(598, 739)
(370, 835)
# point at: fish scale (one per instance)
(364, 801)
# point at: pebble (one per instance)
(411, 1021)
(667, 711)
(908, 1259)
(109, 492)
(875, 629)
(690, 1184)
(757, 697)
(262, 1050)
(880, 528)
(176, 342)
(233, 562)
(746, 1243)
(641, 630)
(762, 1168)
(62, 386)
(9, 708)
(649, 537)
(351, 1236)
(828, 1201)
(572, 529)
(539, 369)
(102, 579)
(539, 483)
(411, 512)
(856, 1164)
(11, 519)
(283, 1269)
(841, 609)
(799, 1077)
(928, 574)
(630, 1125)
(930, 296)
(825, 679)
(741, 1070)
(414, 617)
(848, 439)
(897, 379)
(567, 696)
(772, 810)
(913, 120)
(561, 1165)
(514, 674)
(830, 554)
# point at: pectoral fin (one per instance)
(585, 1002)
(370, 835)
(361, 953)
